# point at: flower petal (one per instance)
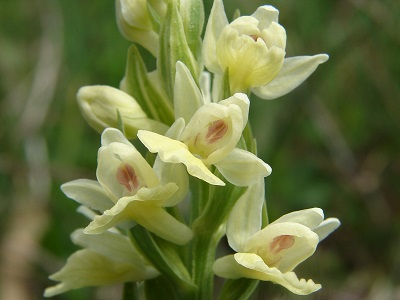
(326, 228)
(161, 223)
(250, 63)
(173, 151)
(187, 96)
(240, 100)
(205, 86)
(147, 38)
(243, 168)
(311, 217)
(125, 207)
(175, 173)
(89, 193)
(227, 267)
(110, 244)
(88, 268)
(135, 13)
(266, 14)
(112, 156)
(216, 23)
(293, 72)
(144, 208)
(245, 217)
(257, 269)
(113, 135)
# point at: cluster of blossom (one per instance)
(201, 155)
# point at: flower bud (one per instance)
(135, 23)
(101, 105)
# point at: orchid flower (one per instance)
(271, 254)
(210, 138)
(107, 258)
(134, 191)
(252, 50)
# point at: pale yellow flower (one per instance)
(210, 138)
(252, 50)
(272, 253)
(106, 259)
(129, 189)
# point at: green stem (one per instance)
(204, 250)
(200, 195)
(238, 289)
(130, 291)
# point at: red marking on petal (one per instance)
(281, 242)
(254, 37)
(216, 131)
(127, 177)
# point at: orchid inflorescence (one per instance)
(156, 220)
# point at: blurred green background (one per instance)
(332, 143)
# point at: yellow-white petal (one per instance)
(173, 151)
(201, 143)
(240, 100)
(187, 96)
(293, 72)
(326, 228)
(100, 106)
(135, 13)
(247, 57)
(257, 269)
(88, 268)
(243, 168)
(216, 23)
(245, 217)
(89, 193)
(110, 244)
(147, 38)
(311, 217)
(126, 207)
(116, 155)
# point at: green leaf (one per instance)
(163, 255)
(226, 91)
(174, 47)
(137, 83)
(120, 122)
(192, 13)
(218, 208)
(238, 289)
(160, 288)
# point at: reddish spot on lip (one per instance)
(281, 242)
(254, 37)
(127, 177)
(216, 131)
